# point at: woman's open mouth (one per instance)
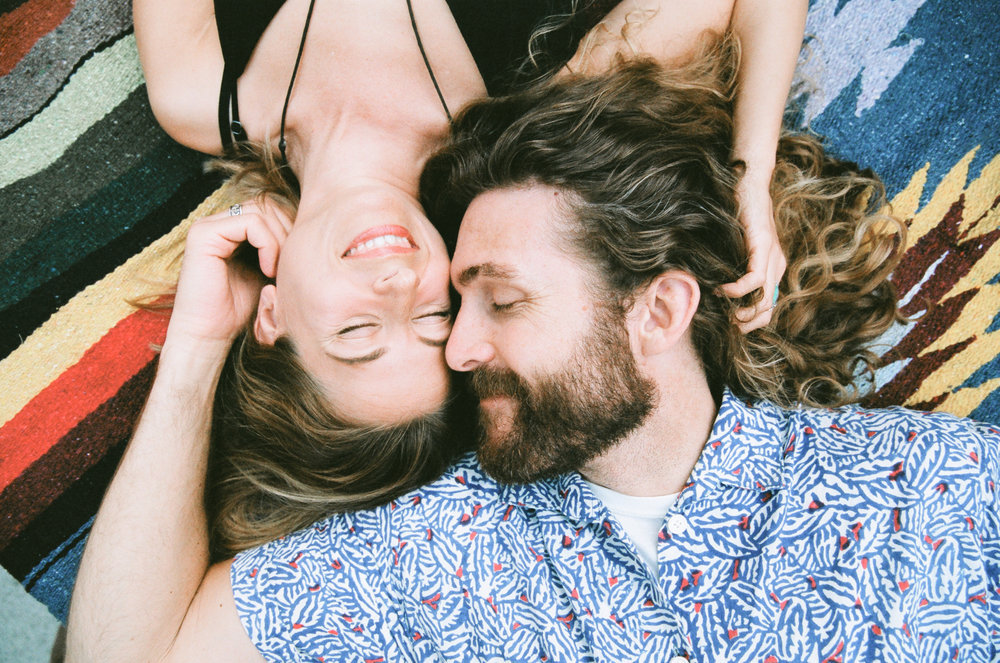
(381, 241)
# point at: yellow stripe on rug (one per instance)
(86, 318)
(981, 215)
(100, 85)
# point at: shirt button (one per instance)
(677, 524)
(679, 659)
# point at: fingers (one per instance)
(767, 263)
(264, 227)
(764, 278)
(752, 280)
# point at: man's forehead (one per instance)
(502, 228)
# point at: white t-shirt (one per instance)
(641, 517)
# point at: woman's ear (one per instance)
(663, 312)
(265, 328)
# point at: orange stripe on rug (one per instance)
(82, 388)
(23, 26)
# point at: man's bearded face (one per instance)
(558, 422)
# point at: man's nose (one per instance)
(469, 345)
(395, 280)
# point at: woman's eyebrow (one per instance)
(350, 361)
(433, 343)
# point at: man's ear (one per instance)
(662, 313)
(265, 327)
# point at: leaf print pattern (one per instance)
(808, 535)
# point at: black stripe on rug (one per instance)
(20, 319)
(110, 41)
(7, 6)
(122, 145)
(85, 229)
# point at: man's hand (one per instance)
(767, 261)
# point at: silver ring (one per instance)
(236, 210)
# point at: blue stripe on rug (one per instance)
(940, 105)
(51, 582)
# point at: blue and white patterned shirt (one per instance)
(802, 535)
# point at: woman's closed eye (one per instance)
(434, 317)
(360, 330)
(368, 329)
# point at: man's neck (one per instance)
(658, 457)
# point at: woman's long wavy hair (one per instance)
(645, 154)
(281, 456)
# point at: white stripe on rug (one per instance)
(100, 85)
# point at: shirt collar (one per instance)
(567, 494)
(745, 450)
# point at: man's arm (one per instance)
(144, 591)
(148, 550)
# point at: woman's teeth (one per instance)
(379, 242)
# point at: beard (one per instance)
(563, 420)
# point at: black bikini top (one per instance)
(497, 33)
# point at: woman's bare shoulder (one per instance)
(182, 62)
(212, 630)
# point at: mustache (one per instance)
(486, 382)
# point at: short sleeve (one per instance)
(318, 594)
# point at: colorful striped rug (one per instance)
(94, 202)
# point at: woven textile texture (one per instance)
(95, 200)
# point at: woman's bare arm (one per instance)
(182, 61)
(144, 592)
(770, 33)
(669, 31)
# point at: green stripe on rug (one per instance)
(33, 82)
(102, 154)
(102, 83)
(97, 221)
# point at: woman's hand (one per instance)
(218, 290)
(767, 261)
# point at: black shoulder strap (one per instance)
(240, 24)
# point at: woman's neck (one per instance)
(354, 148)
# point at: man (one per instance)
(637, 517)
(625, 504)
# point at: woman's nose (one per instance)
(397, 279)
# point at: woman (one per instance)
(333, 397)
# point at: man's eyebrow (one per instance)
(487, 269)
(350, 361)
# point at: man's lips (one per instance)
(381, 241)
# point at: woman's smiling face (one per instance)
(362, 292)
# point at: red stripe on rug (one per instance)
(60, 469)
(23, 26)
(81, 389)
